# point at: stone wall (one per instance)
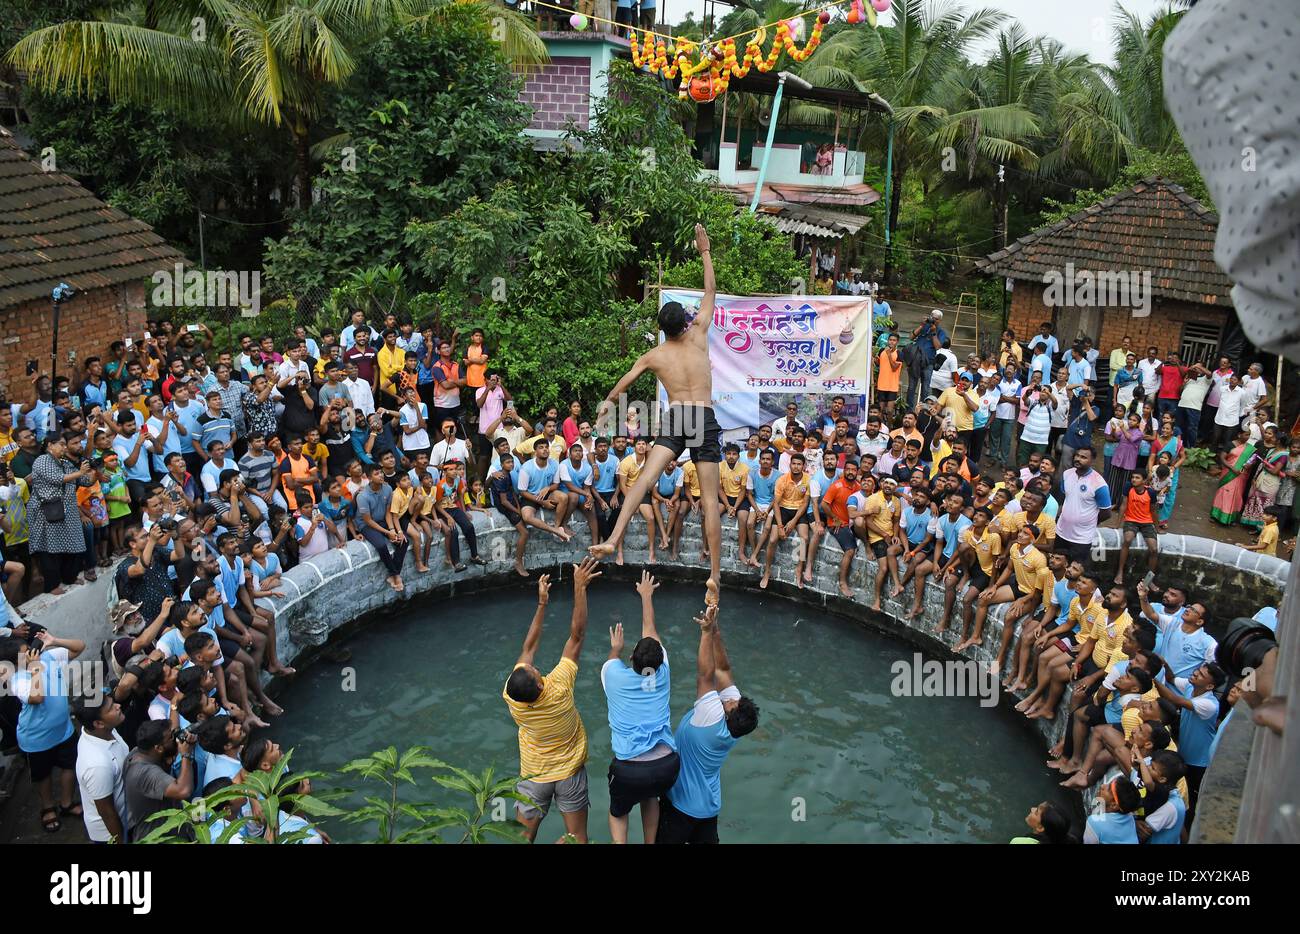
(559, 92)
(342, 588)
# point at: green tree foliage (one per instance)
(433, 123)
(1176, 166)
(550, 263)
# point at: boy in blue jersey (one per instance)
(604, 485)
(920, 528)
(645, 764)
(721, 715)
(574, 478)
(1116, 824)
(1198, 705)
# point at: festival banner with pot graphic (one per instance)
(765, 350)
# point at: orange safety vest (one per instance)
(298, 469)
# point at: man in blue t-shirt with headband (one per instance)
(645, 763)
(689, 812)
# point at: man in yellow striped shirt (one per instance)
(552, 741)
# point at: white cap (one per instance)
(936, 313)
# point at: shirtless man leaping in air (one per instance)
(682, 364)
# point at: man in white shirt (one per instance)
(1256, 388)
(293, 363)
(1045, 339)
(1196, 386)
(945, 369)
(415, 428)
(1149, 367)
(362, 396)
(1234, 403)
(101, 761)
(791, 417)
(449, 447)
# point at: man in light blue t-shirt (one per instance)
(41, 682)
(645, 763)
(689, 812)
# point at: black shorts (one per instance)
(844, 535)
(976, 577)
(884, 395)
(229, 649)
(676, 827)
(880, 549)
(1074, 551)
(925, 554)
(691, 428)
(788, 514)
(741, 504)
(630, 782)
(64, 756)
(1015, 587)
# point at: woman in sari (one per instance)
(1167, 442)
(1232, 483)
(1271, 458)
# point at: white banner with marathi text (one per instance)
(764, 350)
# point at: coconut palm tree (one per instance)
(266, 62)
(1137, 75)
(908, 64)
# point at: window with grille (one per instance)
(1201, 343)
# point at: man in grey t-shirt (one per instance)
(150, 787)
(372, 502)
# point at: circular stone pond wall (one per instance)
(339, 592)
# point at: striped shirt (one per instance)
(552, 741)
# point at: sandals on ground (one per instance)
(51, 824)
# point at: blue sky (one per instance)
(1083, 25)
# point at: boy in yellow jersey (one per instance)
(977, 551)
(1059, 645)
(1020, 583)
(1008, 524)
(1097, 653)
(630, 469)
(882, 510)
(552, 740)
(1268, 535)
(791, 513)
(733, 498)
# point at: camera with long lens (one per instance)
(1244, 646)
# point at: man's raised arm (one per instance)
(705, 319)
(704, 663)
(647, 589)
(583, 574)
(534, 635)
(721, 663)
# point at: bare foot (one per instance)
(1070, 768)
(272, 709)
(875, 606)
(603, 550)
(519, 569)
(762, 584)
(894, 592)
(1055, 763)
(395, 584)
(422, 568)
(255, 722)
(1017, 686)
(619, 559)
(1078, 781)
(798, 580)
(281, 671)
(995, 668)
(808, 575)
(846, 590)
(711, 593)
(1058, 751)
(914, 612)
(401, 585)
(1024, 705)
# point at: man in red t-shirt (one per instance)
(1172, 375)
(1137, 506)
(835, 513)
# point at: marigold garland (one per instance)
(707, 78)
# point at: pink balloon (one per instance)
(880, 6)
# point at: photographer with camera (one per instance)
(142, 578)
(150, 786)
(1078, 433)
